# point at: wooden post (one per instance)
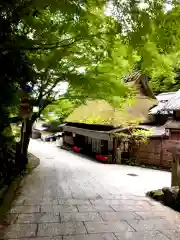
(161, 152)
(114, 150)
(118, 155)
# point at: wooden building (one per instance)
(160, 118)
(91, 139)
(173, 124)
(107, 141)
(166, 114)
(101, 112)
(98, 138)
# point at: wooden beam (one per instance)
(88, 133)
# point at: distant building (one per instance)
(113, 137)
(162, 99)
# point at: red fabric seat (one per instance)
(102, 158)
(76, 149)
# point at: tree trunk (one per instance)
(26, 131)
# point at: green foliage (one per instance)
(139, 136)
(60, 109)
(151, 29)
(15, 68)
(76, 44)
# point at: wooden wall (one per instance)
(68, 139)
(154, 153)
(89, 144)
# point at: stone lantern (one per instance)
(174, 149)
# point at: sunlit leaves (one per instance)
(151, 28)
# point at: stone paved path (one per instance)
(69, 197)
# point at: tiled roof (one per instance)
(154, 130)
(167, 102)
(172, 124)
(159, 109)
(165, 96)
(174, 102)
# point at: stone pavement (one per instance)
(69, 197)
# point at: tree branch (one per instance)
(48, 46)
(71, 98)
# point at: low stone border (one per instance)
(64, 147)
(146, 165)
(167, 196)
(33, 162)
(8, 193)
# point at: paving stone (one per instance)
(18, 201)
(158, 208)
(150, 215)
(11, 218)
(103, 227)
(143, 203)
(110, 196)
(38, 218)
(63, 196)
(105, 236)
(151, 224)
(74, 202)
(106, 202)
(20, 231)
(40, 202)
(78, 195)
(148, 235)
(55, 229)
(25, 209)
(93, 196)
(121, 208)
(172, 234)
(94, 208)
(58, 208)
(120, 202)
(80, 216)
(65, 183)
(115, 216)
(41, 238)
(124, 197)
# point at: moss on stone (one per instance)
(8, 193)
(156, 194)
(8, 197)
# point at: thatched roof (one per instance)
(101, 112)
